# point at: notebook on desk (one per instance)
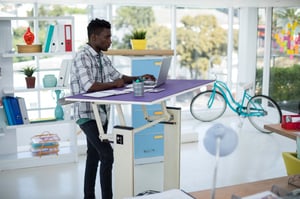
(162, 76)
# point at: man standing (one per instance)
(93, 71)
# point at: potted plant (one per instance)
(138, 39)
(28, 72)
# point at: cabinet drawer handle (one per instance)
(158, 113)
(156, 137)
(149, 150)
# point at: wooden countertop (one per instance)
(246, 189)
(276, 128)
(128, 52)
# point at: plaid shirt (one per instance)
(85, 71)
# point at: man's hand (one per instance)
(118, 83)
(148, 77)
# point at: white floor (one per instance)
(257, 157)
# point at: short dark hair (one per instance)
(97, 25)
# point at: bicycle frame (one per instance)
(239, 108)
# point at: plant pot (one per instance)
(30, 82)
(138, 44)
(292, 163)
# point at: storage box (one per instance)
(291, 122)
(34, 48)
(47, 150)
(44, 144)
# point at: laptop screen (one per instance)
(164, 70)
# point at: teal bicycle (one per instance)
(211, 104)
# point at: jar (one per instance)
(49, 81)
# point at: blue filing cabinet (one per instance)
(148, 143)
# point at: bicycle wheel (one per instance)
(263, 110)
(208, 106)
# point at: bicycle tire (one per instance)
(200, 109)
(271, 112)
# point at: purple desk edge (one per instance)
(172, 88)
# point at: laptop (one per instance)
(163, 74)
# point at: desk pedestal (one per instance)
(124, 156)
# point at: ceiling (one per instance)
(200, 3)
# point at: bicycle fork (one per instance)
(211, 98)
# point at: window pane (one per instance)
(202, 46)
(156, 20)
(285, 67)
(201, 42)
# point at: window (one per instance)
(285, 67)
(284, 60)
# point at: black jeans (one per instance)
(97, 151)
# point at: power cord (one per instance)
(148, 192)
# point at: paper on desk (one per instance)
(107, 93)
(170, 194)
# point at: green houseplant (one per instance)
(138, 39)
(28, 72)
(138, 34)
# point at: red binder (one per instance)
(68, 37)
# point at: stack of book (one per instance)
(44, 144)
(15, 110)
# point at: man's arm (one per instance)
(129, 79)
(98, 86)
(118, 83)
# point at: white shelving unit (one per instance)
(9, 90)
(14, 54)
(10, 155)
(22, 159)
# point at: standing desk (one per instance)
(122, 136)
